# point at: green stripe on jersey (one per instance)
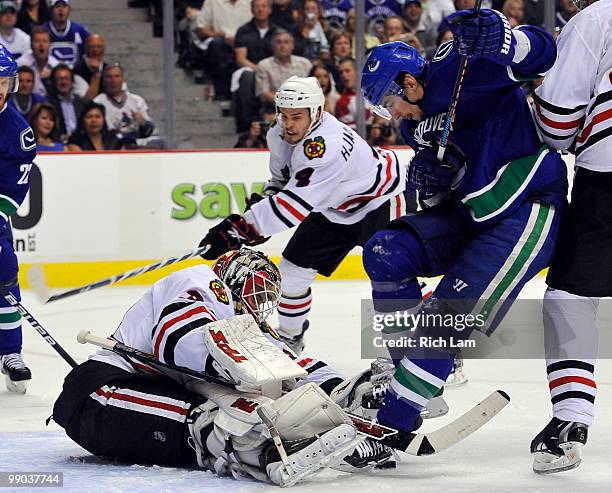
(415, 384)
(7, 318)
(7, 207)
(521, 259)
(512, 178)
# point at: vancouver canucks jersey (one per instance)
(68, 45)
(494, 128)
(335, 12)
(17, 151)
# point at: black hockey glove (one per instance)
(253, 199)
(230, 234)
(430, 176)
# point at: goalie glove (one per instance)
(230, 234)
(487, 35)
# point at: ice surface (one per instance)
(496, 458)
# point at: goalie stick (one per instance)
(36, 277)
(420, 444)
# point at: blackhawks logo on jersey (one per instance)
(314, 148)
(217, 288)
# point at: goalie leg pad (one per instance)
(305, 412)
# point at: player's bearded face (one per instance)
(398, 109)
(295, 122)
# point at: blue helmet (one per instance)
(8, 69)
(382, 67)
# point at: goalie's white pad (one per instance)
(238, 345)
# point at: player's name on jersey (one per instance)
(423, 342)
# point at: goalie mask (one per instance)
(253, 280)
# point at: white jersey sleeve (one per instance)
(574, 104)
(316, 170)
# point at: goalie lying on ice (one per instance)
(213, 321)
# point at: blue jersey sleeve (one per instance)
(535, 53)
(17, 152)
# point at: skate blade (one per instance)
(547, 463)
(435, 408)
(18, 387)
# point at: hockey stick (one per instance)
(37, 281)
(447, 436)
(10, 298)
(85, 336)
(421, 443)
(452, 109)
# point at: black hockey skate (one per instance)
(372, 401)
(296, 343)
(16, 372)
(558, 447)
(368, 454)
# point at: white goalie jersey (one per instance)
(574, 104)
(169, 321)
(332, 171)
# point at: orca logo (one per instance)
(27, 139)
(443, 51)
(373, 64)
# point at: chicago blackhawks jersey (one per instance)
(169, 322)
(332, 170)
(573, 107)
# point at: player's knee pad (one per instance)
(295, 280)
(392, 255)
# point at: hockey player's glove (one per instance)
(487, 35)
(230, 234)
(253, 199)
(430, 176)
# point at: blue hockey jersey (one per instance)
(507, 163)
(335, 12)
(68, 46)
(17, 151)
(377, 11)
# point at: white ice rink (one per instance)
(496, 458)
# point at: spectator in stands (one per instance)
(444, 33)
(370, 40)
(92, 133)
(127, 114)
(32, 13)
(534, 12)
(346, 107)
(414, 24)
(310, 33)
(67, 37)
(464, 4)
(255, 137)
(285, 13)
(382, 133)
(14, 39)
(340, 49)
(335, 13)
(327, 83)
(40, 60)
(434, 11)
(566, 9)
(44, 123)
(378, 11)
(395, 31)
(273, 71)
(24, 99)
(514, 10)
(91, 66)
(217, 23)
(67, 104)
(253, 44)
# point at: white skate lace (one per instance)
(369, 449)
(13, 361)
